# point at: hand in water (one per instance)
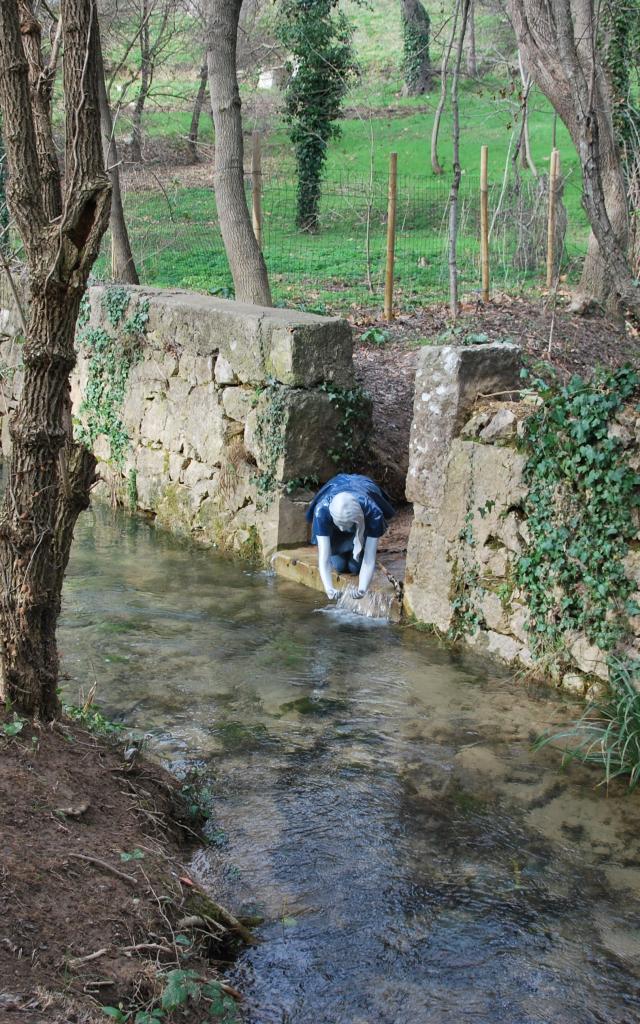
(332, 594)
(359, 594)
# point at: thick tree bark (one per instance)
(596, 282)
(195, 117)
(416, 25)
(49, 477)
(123, 268)
(41, 86)
(559, 45)
(247, 264)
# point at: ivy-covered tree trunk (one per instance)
(247, 264)
(318, 38)
(416, 27)
(49, 476)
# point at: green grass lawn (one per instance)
(344, 263)
(182, 245)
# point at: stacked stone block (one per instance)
(193, 404)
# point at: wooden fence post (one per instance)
(551, 225)
(391, 235)
(256, 187)
(484, 221)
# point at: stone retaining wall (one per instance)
(228, 409)
(466, 479)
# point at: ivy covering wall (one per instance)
(582, 511)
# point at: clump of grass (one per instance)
(607, 735)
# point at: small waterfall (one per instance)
(374, 604)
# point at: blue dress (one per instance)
(376, 508)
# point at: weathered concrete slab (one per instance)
(250, 343)
(300, 565)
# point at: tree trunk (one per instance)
(41, 87)
(417, 61)
(145, 69)
(558, 44)
(123, 267)
(49, 477)
(435, 131)
(524, 147)
(36, 526)
(472, 60)
(195, 117)
(457, 170)
(4, 209)
(598, 282)
(245, 259)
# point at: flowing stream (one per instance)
(377, 800)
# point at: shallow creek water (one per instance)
(376, 797)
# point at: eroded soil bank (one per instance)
(96, 906)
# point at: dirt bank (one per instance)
(96, 906)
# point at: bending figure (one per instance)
(348, 516)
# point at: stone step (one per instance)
(300, 565)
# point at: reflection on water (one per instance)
(382, 808)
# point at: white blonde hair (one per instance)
(346, 512)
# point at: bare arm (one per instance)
(324, 567)
(368, 566)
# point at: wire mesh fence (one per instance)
(176, 240)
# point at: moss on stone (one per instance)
(250, 549)
(173, 509)
(212, 523)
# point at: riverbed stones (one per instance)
(574, 684)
